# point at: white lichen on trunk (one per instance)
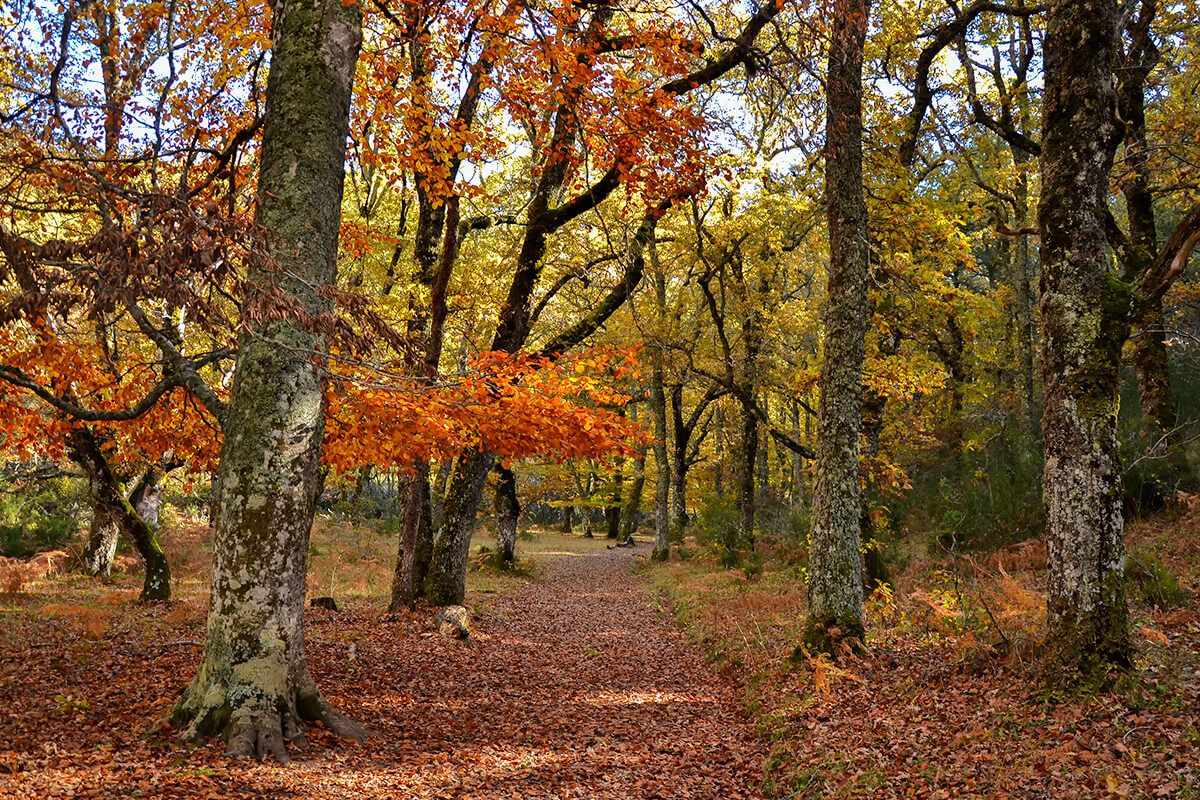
(253, 684)
(1084, 311)
(835, 594)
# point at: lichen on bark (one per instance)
(1084, 315)
(835, 593)
(253, 685)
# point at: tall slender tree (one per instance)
(835, 594)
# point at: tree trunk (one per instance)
(568, 519)
(746, 499)
(146, 497)
(508, 509)
(658, 411)
(114, 515)
(101, 548)
(632, 516)
(719, 453)
(835, 593)
(679, 466)
(438, 496)
(446, 584)
(412, 556)
(1149, 341)
(1022, 280)
(612, 511)
(662, 466)
(797, 485)
(1154, 371)
(1084, 312)
(254, 684)
(762, 461)
(589, 486)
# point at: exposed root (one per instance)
(258, 734)
(264, 729)
(339, 724)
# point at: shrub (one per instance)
(988, 498)
(1148, 580)
(39, 518)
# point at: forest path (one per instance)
(574, 686)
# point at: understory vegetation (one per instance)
(946, 699)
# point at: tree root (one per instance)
(263, 729)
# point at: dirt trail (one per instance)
(574, 687)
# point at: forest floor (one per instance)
(948, 701)
(573, 685)
(578, 682)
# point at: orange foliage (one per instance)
(515, 407)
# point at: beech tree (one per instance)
(254, 685)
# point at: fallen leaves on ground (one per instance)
(571, 688)
(931, 710)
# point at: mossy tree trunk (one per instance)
(446, 581)
(508, 511)
(631, 517)
(658, 412)
(1084, 310)
(253, 685)
(835, 592)
(113, 516)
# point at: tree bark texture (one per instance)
(662, 465)
(508, 510)
(253, 684)
(412, 557)
(1084, 310)
(446, 582)
(747, 500)
(835, 594)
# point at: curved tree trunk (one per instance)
(1084, 313)
(835, 593)
(114, 515)
(508, 510)
(253, 684)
